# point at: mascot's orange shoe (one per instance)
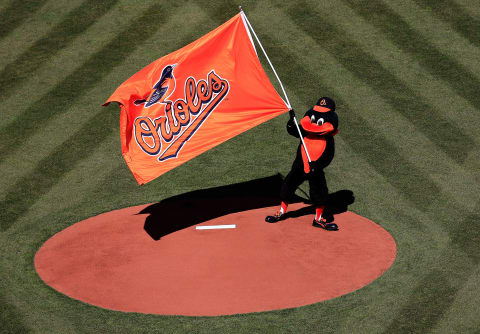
(325, 224)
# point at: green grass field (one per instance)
(405, 76)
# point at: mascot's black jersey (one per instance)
(318, 126)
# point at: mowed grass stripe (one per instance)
(449, 176)
(465, 233)
(407, 69)
(11, 317)
(470, 322)
(456, 16)
(37, 25)
(16, 13)
(69, 59)
(79, 186)
(29, 150)
(430, 303)
(440, 34)
(470, 7)
(26, 191)
(220, 11)
(19, 281)
(74, 24)
(407, 39)
(401, 99)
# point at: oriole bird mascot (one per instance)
(317, 128)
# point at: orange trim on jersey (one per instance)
(315, 146)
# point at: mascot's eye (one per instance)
(312, 119)
(320, 121)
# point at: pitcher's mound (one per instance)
(110, 261)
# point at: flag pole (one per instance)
(287, 102)
(266, 56)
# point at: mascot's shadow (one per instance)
(192, 208)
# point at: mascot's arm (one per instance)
(291, 128)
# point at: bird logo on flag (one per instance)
(161, 90)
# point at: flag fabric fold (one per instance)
(192, 100)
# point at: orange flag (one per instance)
(192, 100)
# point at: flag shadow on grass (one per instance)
(192, 208)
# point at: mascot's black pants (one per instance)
(297, 175)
